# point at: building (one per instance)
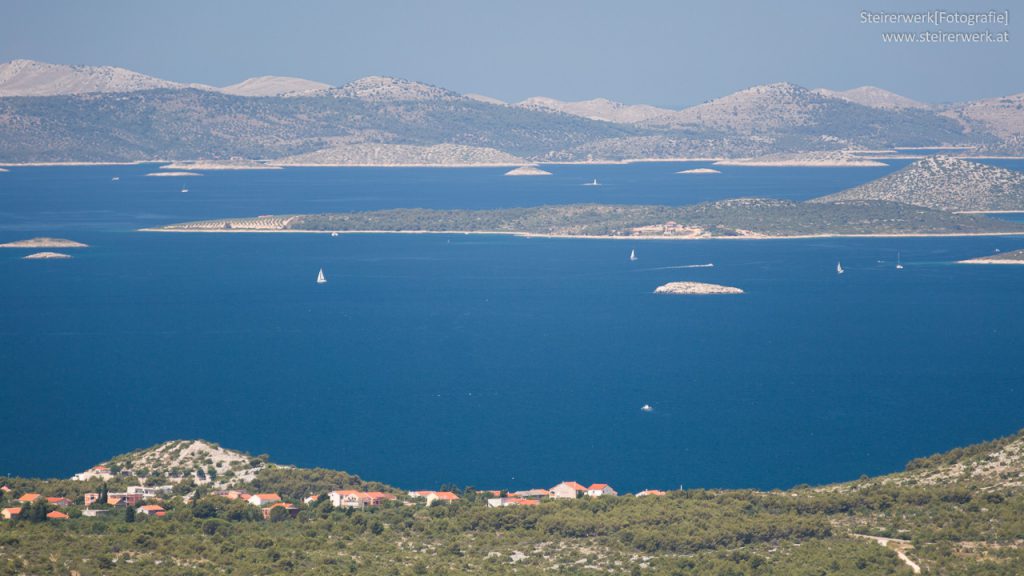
(596, 490)
(292, 509)
(9, 513)
(442, 497)
(532, 493)
(503, 502)
(101, 472)
(94, 512)
(151, 491)
(650, 492)
(233, 495)
(566, 490)
(263, 499)
(124, 499)
(90, 498)
(55, 515)
(29, 497)
(151, 510)
(58, 501)
(337, 497)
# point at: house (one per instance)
(338, 496)
(90, 498)
(311, 499)
(596, 490)
(94, 512)
(151, 510)
(101, 472)
(263, 499)
(29, 498)
(532, 493)
(233, 495)
(59, 502)
(650, 492)
(114, 498)
(420, 493)
(151, 491)
(442, 497)
(566, 490)
(9, 513)
(292, 509)
(5, 489)
(377, 498)
(503, 502)
(54, 515)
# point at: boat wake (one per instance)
(708, 265)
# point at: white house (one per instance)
(596, 490)
(566, 490)
(263, 499)
(151, 491)
(338, 496)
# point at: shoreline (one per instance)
(581, 236)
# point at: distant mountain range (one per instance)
(53, 113)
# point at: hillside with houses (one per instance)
(952, 513)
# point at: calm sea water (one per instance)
(492, 361)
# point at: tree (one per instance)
(278, 514)
(129, 514)
(103, 494)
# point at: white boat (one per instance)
(334, 234)
(632, 255)
(593, 183)
(647, 408)
(183, 190)
(320, 279)
(115, 178)
(899, 263)
(839, 268)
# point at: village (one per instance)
(146, 501)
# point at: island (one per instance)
(743, 218)
(236, 164)
(44, 242)
(162, 174)
(529, 170)
(699, 288)
(47, 256)
(1015, 257)
(700, 171)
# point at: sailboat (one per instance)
(593, 183)
(183, 190)
(839, 267)
(115, 178)
(320, 279)
(647, 408)
(632, 255)
(899, 263)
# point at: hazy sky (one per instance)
(670, 53)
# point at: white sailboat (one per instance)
(593, 183)
(184, 190)
(647, 408)
(632, 255)
(115, 178)
(899, 263)
(839, 268)
(320, 279)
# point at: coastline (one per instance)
(581, 236)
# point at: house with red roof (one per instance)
(90, 498)
(292, 509)
(263, 499)
(503, 502)
(55, 515)
(29, 497)
(596, 490)
(58, 501)
(532, 493)
(151, 510)
(338, 496)
(650, 492)
(5, 488)
(567, 489)
(442, 497)
(9, 513)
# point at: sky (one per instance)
(667, 53)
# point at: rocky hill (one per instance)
(273, 86)
(201, 461)
(873, 97)
(31, 78)
(944, 183)
(598, 109)
(55, 113)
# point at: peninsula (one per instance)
(698, 288)
(44, 242)
(1015, 257)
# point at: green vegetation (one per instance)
(957, 513)
(727, 218)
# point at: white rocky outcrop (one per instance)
(697, 288)
(700, 171)
(529, 170)
(31, 78)
(273, 86)
(874, 97)
(597, 109)
(47, 256)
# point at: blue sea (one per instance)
(492, 361)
